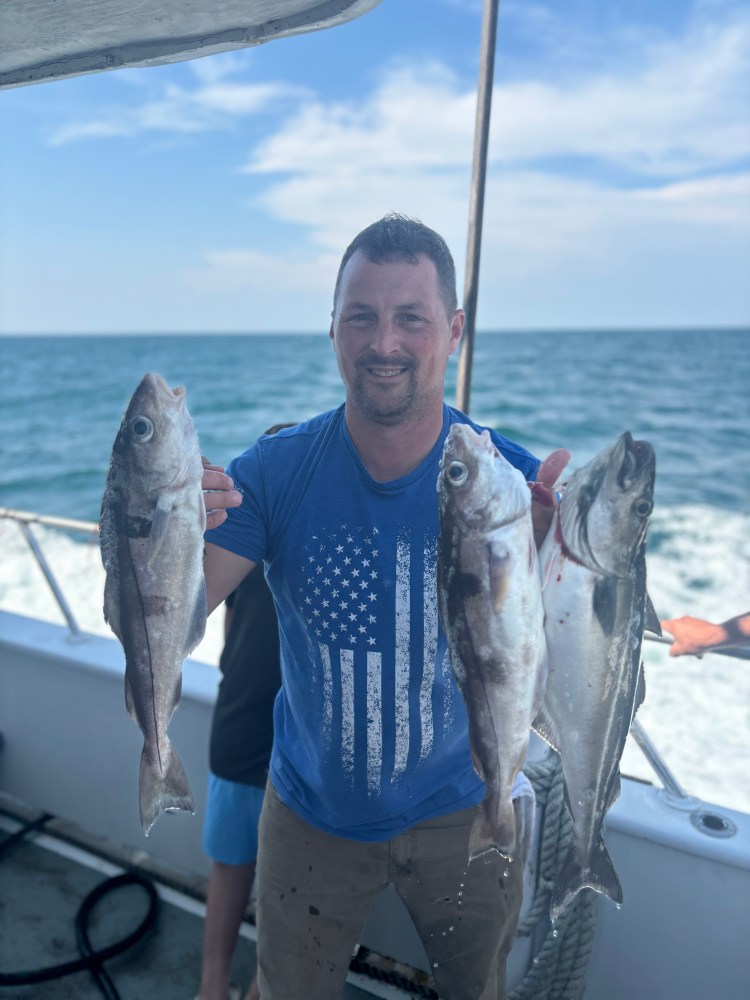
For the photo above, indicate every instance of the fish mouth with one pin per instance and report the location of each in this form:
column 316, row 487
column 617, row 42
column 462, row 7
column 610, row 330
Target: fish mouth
column 463, row 438
column 159, row 386
column 638, row 460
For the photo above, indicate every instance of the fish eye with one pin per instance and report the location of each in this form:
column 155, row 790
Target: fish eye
column 457, row 473
column 643, row 508
column 142, row 429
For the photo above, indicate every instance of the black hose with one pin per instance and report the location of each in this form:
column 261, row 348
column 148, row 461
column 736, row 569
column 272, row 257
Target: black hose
column 91, row 959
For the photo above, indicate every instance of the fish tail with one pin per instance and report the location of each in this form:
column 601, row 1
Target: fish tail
column 163, row 787
column 599, row 874
column 494, row 828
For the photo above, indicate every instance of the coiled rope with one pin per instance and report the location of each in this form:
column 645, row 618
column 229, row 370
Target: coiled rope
column 558, row 970
column 92, row 959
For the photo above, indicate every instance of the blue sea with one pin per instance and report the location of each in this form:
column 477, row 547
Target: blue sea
column 688, row 392
column 685, row 391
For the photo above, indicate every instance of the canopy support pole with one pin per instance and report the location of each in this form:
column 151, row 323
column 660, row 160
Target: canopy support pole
column 476, row 206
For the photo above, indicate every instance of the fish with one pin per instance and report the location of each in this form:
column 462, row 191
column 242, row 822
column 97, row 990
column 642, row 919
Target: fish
column 151, row 531
column 489, row 593
column 593, row 562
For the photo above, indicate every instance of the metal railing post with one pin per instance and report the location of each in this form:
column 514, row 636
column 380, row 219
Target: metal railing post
column 49, row 576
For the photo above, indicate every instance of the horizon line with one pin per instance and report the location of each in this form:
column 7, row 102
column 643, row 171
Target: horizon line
column 484, row 331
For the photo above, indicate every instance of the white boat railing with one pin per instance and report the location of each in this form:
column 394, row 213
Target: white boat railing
column 24, row 519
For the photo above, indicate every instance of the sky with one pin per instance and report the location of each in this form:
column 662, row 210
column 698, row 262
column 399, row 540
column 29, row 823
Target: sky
column 217, row 195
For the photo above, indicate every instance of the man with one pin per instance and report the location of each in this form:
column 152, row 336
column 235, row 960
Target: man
column 239, row 755
column 371, row 778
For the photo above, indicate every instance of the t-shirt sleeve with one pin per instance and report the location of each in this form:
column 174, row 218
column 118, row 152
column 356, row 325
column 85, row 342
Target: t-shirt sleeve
column 245, row 531
column 518, row 456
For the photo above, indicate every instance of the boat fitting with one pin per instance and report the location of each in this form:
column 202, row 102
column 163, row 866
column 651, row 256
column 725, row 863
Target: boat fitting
column 713, row 824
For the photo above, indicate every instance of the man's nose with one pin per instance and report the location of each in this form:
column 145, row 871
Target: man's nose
column 385, row 337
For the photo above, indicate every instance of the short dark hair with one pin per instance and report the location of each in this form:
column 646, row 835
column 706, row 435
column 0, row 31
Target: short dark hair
column 399, row 238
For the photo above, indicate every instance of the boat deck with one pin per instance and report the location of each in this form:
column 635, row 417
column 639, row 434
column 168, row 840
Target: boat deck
column 44, row 882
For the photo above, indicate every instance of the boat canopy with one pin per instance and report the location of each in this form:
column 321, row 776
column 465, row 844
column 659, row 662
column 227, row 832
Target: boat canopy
column 43, row 40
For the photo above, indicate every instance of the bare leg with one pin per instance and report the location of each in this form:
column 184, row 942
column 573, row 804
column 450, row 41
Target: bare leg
column 228, row 892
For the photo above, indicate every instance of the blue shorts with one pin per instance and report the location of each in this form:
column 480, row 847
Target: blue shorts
column 230, row 828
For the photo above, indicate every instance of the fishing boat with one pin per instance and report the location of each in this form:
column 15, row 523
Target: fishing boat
column 684, row 863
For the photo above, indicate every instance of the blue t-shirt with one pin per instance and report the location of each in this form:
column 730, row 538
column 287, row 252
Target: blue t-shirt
column 370, row 729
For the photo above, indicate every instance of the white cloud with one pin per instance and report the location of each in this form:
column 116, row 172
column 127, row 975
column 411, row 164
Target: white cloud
column 648, row 138
column 684, row 110
column 419, row 117
column 211, row 105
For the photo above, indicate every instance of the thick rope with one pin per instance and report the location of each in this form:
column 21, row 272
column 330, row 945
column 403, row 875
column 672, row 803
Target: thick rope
column 558, row 970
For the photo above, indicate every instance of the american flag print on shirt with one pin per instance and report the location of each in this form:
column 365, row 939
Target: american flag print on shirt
column 352, row 596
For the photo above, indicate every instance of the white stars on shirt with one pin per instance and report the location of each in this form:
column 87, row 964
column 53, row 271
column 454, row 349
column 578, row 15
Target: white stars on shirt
column 339, row 593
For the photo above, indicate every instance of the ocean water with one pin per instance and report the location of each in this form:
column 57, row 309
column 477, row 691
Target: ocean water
column 687, row 392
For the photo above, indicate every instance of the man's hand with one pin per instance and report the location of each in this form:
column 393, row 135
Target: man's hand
column 218, row 494
column 543, row 494
column 693, row 635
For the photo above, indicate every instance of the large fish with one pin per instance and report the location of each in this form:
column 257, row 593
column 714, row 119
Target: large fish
column 491, row 607
column 152, row 524
column 594, row 589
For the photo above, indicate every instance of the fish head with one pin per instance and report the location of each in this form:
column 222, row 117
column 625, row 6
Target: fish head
column 478, row 483
column 606, row 506
column 157, row 441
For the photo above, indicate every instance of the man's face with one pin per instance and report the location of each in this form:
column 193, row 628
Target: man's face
column 392, row 338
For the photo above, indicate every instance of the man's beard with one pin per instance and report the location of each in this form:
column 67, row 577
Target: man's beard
column 388, row 409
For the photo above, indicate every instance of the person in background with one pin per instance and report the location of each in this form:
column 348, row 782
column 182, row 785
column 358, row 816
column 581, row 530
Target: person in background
column 371, row 779
column 239, row 753
column 696, row 635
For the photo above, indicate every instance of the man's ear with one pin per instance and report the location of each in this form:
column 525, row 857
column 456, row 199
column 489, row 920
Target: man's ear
column 457, row 328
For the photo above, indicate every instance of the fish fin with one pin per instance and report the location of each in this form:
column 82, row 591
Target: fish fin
column 544, row 726
column 614, row 791
column 650, row 618
column 112, row 604
column 476, row 762
column 499, row 576
column 482, row 839
column 599, row 875
column 130, row 701
column 166, row 788
column 177, row 694
column 198, row 622
column 605, row 603
column 640, row 690
column 159, row 525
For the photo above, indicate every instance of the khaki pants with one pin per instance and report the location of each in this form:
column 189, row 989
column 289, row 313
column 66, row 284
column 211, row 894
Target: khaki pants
column 314, row 891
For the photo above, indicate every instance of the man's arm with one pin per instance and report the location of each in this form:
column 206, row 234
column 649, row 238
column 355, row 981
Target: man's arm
column 224, row 570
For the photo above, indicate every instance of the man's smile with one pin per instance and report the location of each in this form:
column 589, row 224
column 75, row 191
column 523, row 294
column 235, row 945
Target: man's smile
column 386, row 372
